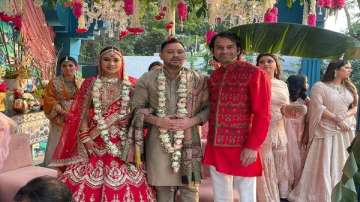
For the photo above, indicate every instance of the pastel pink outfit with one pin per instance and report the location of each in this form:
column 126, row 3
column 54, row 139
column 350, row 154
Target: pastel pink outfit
column 327, row 151
column 274, row 150
column 7, row 126
column 296, row 152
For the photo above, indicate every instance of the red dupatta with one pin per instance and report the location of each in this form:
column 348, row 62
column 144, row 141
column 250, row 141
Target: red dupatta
column 67, row 150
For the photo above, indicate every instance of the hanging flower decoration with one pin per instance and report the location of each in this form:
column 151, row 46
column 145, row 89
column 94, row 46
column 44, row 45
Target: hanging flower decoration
column 129, row 7
column 162, row 11
column 81, row 25
column 78, row 11
column 3, row 86
column 123, row 34
column 169, row 25
column 172, row 144
column 15, row 20
column 112, row 148
column 331, row 4
column 158, row 17
column 135, row 27
column 81, row 30
column 271, row 15
column 182, row 10
column 339, row 4
column 5, row 18
column 236, row 12
column 311, row 21
column 135, row 30
column 77, row 8
column 209, row 35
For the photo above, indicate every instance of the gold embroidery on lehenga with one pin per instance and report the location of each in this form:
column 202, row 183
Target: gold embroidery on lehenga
column 79, row 195
column 128, row 197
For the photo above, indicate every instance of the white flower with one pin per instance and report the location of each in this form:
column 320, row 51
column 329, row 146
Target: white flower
column 183, row 111
column 96, row 94
column 175, row 164
column 104, row 133
column 181, row 90
column 171, row 149
column 182, row 95
column 164, row 136
column 161, row 94
column 126, row 98
column 178, row 141
column 181, row 105
column 161, row 87
column 178, row 146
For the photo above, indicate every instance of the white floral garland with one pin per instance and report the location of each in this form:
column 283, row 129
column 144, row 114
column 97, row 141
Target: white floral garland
column 172, row 148
column 113, row 149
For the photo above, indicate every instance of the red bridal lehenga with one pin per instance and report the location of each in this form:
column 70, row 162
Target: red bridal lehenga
column 100, row 176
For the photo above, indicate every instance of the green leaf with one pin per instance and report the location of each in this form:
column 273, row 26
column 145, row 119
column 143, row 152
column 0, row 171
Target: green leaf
column 296, row 40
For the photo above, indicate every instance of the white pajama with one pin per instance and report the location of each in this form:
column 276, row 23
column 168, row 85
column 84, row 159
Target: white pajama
column 223, row 186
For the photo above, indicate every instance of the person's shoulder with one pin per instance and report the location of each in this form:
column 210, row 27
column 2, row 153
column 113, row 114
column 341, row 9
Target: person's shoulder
column 319, row 84
column 147, row 77
column 195, row 74
column 279, row 82
column 150, row 74
column 318, row 87
column 247, row 66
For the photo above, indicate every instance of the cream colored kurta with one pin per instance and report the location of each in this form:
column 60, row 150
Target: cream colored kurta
column 273, row 151
column 327, row 153
column 159, row 171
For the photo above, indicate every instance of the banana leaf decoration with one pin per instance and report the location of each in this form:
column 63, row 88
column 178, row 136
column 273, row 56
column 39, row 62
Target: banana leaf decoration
column 296, row 40
column 345, row 190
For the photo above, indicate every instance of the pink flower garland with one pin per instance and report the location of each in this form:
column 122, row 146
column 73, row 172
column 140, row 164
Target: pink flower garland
column 311, row 21
column 209, row 35
column 77, row 8
column 129, row 7
column 3, row 87
column 333, row 4
column 182, row 10
column 271, row 15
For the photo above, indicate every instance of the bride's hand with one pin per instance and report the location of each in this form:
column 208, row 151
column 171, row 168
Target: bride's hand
column 91, row 146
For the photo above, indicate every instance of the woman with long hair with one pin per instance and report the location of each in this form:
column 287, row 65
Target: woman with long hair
column 333, row 105
column 58, row 97
column 297, row 85
column 95, row 144
column 272, row 185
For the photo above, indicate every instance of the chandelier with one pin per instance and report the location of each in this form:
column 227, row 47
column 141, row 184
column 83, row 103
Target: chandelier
column 111, row 13
column 237, row 12
column 117, row 16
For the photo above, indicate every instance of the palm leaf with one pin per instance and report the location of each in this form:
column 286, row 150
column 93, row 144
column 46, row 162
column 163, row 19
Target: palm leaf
column 296, row 40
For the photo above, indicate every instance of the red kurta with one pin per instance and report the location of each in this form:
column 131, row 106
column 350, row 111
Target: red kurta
column 240, row 116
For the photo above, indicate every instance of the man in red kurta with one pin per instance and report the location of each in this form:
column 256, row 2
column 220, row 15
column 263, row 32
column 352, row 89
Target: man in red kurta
column 239, row 121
